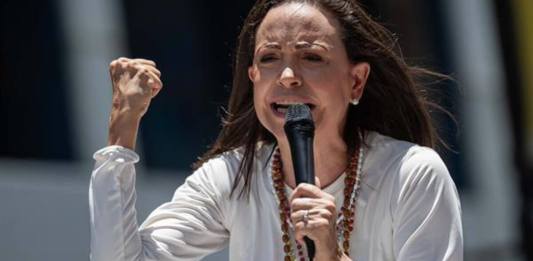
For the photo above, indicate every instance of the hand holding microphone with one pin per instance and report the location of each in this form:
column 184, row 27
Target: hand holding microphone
column 313, row 211
column 300, row 131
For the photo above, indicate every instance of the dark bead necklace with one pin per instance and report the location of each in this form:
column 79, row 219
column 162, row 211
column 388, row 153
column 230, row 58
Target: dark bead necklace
column 345, row 219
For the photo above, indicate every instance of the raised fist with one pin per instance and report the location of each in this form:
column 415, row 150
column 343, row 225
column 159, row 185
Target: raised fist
column 135, row 83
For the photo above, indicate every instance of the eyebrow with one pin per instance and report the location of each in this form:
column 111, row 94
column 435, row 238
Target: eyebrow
column 297, row 46
column 271, row 46
column 302, row 45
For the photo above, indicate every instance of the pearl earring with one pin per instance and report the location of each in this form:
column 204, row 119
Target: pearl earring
column 355, row 101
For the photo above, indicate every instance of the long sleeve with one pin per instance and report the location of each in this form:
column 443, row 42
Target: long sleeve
column 187, row 228
column 426, row 213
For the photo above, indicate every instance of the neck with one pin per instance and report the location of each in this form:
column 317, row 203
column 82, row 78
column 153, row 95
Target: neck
column 330, row 160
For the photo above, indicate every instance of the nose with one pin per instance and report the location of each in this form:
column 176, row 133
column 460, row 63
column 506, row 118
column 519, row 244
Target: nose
column 288, row 78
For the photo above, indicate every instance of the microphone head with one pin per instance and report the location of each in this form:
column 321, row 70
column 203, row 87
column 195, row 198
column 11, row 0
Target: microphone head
column 299, row 113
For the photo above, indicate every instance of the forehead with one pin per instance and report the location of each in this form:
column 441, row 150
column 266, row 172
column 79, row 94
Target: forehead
column 297, row 22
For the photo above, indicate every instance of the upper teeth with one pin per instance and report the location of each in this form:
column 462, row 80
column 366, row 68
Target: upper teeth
column 288, row 103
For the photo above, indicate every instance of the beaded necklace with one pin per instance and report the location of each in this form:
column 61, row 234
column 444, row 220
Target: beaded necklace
column 345, row 219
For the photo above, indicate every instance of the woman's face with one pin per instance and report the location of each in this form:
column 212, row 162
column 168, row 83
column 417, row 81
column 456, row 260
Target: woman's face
column 300, row 58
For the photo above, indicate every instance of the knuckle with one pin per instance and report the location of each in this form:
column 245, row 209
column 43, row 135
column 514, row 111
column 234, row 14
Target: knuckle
column 326, row 214
column 296, row 201
column 294, row 205
column 330, row 206
column 327, row 206
column 299, row 226
column 306, row 186
column 297, row 190
column 293, row 216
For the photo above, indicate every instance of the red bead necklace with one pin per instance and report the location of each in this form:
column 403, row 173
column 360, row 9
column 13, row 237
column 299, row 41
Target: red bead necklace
column 345, row 220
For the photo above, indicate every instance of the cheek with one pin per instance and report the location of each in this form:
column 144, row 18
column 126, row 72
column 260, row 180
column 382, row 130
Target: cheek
column 331, row 87
column 333, row 91
column 263, row 86
column 327, row 75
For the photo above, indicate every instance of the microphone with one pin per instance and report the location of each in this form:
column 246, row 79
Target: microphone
column 300, row 131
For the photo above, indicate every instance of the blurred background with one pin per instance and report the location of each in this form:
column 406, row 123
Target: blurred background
column 55, row 97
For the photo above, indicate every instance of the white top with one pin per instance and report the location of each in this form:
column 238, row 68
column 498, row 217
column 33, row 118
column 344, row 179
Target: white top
column 408, row 209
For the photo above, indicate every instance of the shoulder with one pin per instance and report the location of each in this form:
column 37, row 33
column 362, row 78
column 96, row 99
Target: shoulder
column 418, row 198
column 410, row 177
column 404, row 162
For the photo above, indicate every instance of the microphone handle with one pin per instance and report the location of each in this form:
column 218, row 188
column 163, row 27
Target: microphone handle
column 310, row 247
column 301, row 144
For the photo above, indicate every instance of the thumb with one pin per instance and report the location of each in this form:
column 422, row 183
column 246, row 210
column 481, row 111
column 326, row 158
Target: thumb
column 317, row 182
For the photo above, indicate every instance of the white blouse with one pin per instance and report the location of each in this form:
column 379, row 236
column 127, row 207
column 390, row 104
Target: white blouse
column 408, row 209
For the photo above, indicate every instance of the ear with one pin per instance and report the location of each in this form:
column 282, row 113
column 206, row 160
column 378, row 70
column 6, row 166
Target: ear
column 252, row 73
column 359, row 73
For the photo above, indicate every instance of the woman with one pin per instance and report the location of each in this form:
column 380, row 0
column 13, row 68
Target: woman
column 381, row 193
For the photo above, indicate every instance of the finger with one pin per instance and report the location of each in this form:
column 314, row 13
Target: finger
column 114, row 64
column 116, row 68
column 124, row 62
column 140, row 65
column 144, row 78
column 313, row 214
column 300, row 232
column 305, row 203
column 150, row 80
column 297, row 216
column 317, row 182
column 325, row 207
column 155, row 91
column 156, row 82
column 156, row 87
column 145, row 61
column 137, row 60
column 306, row 190
column 133, row 68
column 299, row 228
column 153, row 69
column 123, row 59
column 313, row 229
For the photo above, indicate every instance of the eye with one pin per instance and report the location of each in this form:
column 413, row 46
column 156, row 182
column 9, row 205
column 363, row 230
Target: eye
column 268, row 58
column 312, row 57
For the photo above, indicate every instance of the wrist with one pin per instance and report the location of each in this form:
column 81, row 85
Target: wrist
column 331, row 253
column 123, row 128
column 326, row 254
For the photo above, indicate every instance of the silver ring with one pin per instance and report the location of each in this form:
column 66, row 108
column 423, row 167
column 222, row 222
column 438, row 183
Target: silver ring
column 306, row 217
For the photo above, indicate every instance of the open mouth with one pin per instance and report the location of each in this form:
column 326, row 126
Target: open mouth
column 282, row 108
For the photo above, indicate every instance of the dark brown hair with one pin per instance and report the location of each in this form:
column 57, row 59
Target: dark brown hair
column 394, row 102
